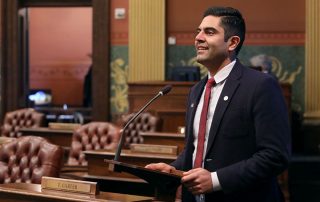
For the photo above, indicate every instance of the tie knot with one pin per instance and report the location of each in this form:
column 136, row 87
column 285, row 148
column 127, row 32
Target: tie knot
column 211, row 82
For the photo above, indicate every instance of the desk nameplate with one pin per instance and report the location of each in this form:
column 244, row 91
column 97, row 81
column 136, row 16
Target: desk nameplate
column 64, row 126
column 152, row 148
column 68, row 185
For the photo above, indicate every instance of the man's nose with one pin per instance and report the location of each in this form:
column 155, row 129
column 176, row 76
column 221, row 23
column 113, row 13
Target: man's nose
column 199, row 37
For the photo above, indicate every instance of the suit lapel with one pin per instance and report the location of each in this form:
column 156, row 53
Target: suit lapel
column 195, row 98
column 226, row 95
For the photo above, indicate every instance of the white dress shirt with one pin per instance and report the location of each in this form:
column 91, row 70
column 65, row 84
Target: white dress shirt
column 216, row 90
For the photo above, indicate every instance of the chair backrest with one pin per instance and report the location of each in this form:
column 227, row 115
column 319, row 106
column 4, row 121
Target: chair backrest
column 27, row 159
column 22, row 118
column 143, row 123
column 92, row 136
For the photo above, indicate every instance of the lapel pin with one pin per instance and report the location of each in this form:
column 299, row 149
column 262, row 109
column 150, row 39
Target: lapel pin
column 225, row 98
column 192, row 105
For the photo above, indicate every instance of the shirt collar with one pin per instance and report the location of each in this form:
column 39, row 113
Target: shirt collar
column 223, row 73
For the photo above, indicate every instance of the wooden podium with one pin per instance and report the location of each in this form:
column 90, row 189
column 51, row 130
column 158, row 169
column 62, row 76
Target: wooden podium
column 166, row 183
column 97, row 165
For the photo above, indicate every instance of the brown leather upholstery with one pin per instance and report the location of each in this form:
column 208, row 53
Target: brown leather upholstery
column 144, row 122
column 22, row 118
column 28, row 158
column 92, row 136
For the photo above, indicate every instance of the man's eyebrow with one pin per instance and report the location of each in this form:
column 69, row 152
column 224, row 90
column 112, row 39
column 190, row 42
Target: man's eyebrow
column 210, row 29
column 207, row 29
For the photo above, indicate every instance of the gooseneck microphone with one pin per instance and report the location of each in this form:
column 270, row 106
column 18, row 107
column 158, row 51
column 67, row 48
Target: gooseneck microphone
column 165, row 90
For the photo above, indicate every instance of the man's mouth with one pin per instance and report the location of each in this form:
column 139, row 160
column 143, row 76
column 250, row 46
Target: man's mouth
column 199, row 48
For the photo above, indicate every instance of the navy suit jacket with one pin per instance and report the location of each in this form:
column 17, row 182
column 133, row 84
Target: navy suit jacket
column 249, row 138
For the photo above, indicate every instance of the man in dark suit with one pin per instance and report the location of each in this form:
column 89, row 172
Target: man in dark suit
column 239, row 126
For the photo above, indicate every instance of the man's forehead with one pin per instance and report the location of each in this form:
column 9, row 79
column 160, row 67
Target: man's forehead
column 210, row 22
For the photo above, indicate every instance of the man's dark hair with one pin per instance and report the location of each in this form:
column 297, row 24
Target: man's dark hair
column 231, row 21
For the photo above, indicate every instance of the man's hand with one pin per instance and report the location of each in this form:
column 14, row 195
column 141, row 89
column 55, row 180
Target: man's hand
column 197, row 181
column 161, row 167
column 168, row 169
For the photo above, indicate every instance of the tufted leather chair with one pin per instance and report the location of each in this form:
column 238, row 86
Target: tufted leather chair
column 92, row 136
column 143, row 123
column 15, row 120
column 28, row 158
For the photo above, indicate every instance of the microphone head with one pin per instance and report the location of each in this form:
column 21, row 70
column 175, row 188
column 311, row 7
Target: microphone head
column 165, row 90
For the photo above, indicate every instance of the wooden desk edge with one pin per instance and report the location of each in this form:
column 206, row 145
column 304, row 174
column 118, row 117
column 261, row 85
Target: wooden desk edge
column 34, row 190
column 162, row 134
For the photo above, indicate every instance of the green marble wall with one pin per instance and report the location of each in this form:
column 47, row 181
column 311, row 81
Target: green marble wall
column 119, row 78
column 287, row 66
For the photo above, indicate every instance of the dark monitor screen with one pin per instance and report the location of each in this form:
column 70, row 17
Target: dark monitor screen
column 39, row 97
column 185, row 73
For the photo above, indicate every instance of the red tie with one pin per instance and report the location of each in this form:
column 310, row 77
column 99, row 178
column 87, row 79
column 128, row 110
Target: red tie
column 203, row 123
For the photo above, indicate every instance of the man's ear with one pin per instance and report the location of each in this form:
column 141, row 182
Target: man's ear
column 233, row 42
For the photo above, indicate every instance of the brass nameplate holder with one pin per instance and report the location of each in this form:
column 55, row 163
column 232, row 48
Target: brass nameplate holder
column 151, row 148
column 4, row 140
column 64, row 126
column 66, row 185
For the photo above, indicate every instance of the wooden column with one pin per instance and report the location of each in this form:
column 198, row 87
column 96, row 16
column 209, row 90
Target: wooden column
column 312, row 64
column 101, row 60
column 146, row 40
column 311, row 123
column 10, row 71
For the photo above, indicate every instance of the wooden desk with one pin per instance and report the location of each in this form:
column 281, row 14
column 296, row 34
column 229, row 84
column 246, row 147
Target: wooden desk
column 59, row 137
column 163, row 138
column 172, row 119
column 97, row 166
column 134, row 186
column 171, row 108
column 114, row 181
column 17, row 192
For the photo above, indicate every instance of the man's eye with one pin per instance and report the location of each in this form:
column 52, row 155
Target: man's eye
column 210, row 33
